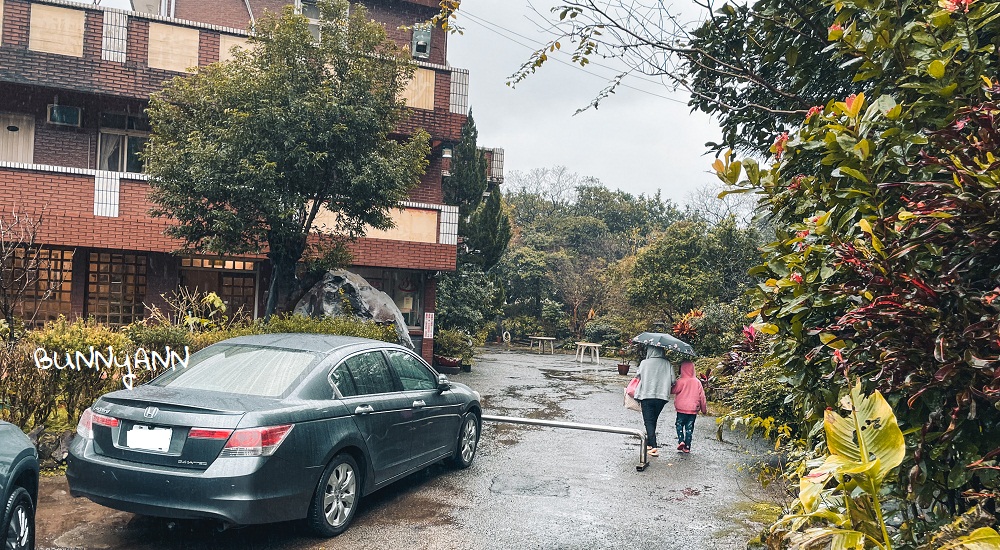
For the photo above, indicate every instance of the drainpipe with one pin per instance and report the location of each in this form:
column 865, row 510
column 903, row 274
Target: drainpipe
column 253, row 22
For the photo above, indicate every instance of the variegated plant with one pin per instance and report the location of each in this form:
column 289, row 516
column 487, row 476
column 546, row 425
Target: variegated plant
column 864, row 446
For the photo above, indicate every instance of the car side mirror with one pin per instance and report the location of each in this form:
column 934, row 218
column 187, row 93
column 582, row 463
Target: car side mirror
column 443, row 383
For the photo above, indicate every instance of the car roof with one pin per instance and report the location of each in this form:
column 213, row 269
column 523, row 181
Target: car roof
column 319, row 343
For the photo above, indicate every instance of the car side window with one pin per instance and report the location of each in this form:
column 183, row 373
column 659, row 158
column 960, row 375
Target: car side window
column 412, row 372
column 371, row 373
column 343, row 381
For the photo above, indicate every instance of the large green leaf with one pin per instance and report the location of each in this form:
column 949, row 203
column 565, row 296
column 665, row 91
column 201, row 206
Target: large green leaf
column 867, row 434
column 827, row 538
column 983, row 538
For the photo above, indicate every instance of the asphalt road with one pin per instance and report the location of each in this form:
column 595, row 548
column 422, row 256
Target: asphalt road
column 529, row 487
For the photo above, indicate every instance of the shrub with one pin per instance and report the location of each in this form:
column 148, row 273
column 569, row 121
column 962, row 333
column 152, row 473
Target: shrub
column 601, row 332
column 157, row 337
column 76, row 390
column 454, row 343
column 522, row 326
column 717, row 328
column 759, row 391
column 27, row 395
column 344, row 326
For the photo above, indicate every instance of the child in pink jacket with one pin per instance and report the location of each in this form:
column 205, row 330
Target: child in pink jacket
column 689, row 401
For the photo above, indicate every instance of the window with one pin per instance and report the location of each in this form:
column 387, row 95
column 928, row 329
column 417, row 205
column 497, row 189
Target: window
column 243, row 369
column 371, row 374
column 116, row 287
column 406, row 288
column 412, row 372
column 47, row 276
column 122, row 138
column 310, row 9
column 341, row 379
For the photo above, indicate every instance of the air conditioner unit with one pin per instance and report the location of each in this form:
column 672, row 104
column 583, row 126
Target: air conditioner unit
column 64, row 115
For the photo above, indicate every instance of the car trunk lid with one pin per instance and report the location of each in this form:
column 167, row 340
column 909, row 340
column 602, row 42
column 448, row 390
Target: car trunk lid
column 159, row 426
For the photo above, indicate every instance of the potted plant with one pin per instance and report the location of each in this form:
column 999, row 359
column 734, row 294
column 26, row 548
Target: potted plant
column 624, row 364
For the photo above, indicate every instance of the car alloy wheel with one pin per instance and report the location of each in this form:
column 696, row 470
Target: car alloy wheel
column 19, row 522
column 468, row 440
column 336, row 498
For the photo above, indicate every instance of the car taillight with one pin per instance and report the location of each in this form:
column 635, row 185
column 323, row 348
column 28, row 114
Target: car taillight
column 209, row 433
column 85, row 428
column 256, row 441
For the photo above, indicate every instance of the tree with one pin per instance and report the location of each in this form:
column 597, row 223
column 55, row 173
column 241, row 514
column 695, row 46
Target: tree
column 678, row 271
column 488, row 232
column 246, row 154
column 22, row 261
column 465, row 186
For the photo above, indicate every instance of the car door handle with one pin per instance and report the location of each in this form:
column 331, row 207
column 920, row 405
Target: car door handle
column 364, row 409
column 419, row 403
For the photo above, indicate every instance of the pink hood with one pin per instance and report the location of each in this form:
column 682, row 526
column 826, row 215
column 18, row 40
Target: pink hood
column 689, row 391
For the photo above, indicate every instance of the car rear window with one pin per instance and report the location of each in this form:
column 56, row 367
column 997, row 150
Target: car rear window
column 242, row 369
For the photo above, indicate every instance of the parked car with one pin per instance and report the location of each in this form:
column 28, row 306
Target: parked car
column 18, row 488
column 269, row 428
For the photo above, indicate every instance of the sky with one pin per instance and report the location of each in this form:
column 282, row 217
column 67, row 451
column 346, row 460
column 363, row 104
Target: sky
column 635, row 141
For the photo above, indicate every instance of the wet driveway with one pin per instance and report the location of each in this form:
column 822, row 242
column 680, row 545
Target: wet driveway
column 529, row 487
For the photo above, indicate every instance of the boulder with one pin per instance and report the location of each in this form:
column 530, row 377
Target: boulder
column 340, row 288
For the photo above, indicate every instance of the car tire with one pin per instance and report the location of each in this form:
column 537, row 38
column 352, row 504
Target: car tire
column 468, row 442
column 337, row 497
column 18, row 527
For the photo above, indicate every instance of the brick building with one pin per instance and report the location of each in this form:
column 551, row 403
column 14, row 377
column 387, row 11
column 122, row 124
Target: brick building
column 74, row 83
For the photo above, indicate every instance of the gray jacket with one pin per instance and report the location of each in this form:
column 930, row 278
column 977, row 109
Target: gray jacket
column 656, row 376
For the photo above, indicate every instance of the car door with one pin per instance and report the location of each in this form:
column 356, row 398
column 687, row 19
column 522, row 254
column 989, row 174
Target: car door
column 381, row 411
column 437, row 413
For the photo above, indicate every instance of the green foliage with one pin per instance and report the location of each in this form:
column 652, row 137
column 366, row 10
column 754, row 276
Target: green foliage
column 870, row 273
column 757, row 391
column 75, row 390
column 344, row 326
column 602, row 332
column 245, row 154
column 454, row 343
column 717, row 329
column 673, row 275
column 466, row 299
column 157, row 337
column 465, row 186
column 523, row 326
column 488, row 232
column 863, row 448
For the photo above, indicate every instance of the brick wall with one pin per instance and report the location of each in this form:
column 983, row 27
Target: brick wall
column 67, row 202
column 225, row 13
column 398, row 14
column 403, row 255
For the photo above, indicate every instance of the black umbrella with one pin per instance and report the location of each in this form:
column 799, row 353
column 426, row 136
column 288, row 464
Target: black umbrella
column 665, row 341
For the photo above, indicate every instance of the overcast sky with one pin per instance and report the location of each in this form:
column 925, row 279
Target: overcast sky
column 635, row 141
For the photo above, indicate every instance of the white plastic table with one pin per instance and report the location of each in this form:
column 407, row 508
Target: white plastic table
column 542, row 340
column 583, row 347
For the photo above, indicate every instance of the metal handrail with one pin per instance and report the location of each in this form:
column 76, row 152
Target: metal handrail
column 643, row 462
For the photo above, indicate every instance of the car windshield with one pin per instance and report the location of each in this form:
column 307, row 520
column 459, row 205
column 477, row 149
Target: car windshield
column 242, row 369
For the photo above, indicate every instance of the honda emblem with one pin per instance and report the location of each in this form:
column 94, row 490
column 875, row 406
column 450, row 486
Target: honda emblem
column 150, row 412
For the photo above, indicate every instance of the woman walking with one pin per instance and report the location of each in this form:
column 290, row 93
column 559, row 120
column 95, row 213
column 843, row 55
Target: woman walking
column 656, row 375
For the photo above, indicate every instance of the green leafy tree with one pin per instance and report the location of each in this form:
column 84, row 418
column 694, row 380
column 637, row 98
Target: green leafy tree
column 488, row 232
column 677, row 272
column 465, row 186
column 246, row 154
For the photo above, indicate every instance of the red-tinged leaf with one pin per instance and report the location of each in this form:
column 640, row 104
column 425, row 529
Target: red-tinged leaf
column 944, row 372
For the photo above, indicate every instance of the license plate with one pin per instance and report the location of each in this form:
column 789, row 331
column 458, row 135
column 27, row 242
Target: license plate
column 148, row 438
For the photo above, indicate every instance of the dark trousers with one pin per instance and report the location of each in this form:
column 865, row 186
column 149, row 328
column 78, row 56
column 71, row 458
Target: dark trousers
column 685, row 428
column 651, row 409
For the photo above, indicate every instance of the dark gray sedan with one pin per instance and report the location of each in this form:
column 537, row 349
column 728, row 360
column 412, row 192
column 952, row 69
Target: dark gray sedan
column 272, row 428
column 18, row 488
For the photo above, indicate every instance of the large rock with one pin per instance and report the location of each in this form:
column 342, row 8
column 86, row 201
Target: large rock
column 366, row 302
